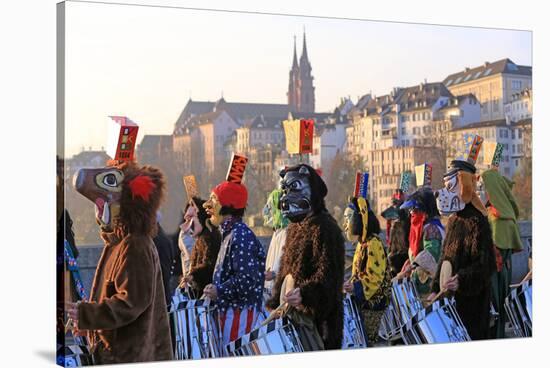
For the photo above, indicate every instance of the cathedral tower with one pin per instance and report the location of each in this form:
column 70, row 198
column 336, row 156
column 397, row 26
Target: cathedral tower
column 301, row 93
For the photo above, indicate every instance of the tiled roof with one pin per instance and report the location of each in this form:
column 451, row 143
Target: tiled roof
column 486, row 70
column 483, row 124
column 421, row 96
column 237, row 110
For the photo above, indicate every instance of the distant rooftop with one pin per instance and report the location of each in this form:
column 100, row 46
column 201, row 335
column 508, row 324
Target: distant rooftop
column 505, row 66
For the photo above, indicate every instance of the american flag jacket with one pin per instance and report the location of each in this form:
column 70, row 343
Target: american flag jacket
column 240, row 267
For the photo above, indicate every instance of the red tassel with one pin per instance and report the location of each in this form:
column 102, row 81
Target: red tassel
column 141, row 186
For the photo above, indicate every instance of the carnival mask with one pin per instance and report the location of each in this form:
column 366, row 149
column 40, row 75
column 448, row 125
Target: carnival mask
column 449, row 198
column 213, row 208
column 272, row 214
column 296, row 198
column 103, row 187
column 356, row 219
column 192, row 225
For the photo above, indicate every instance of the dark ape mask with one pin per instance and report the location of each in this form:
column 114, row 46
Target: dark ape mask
column 297, row 194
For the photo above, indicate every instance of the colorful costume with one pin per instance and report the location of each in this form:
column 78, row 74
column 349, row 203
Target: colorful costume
column 126, row 316
column 370, row 274
column 425, row 238
column 503, row 214
column 240, row 266
column 468, row 245
column 273, row 218
column 314, row 256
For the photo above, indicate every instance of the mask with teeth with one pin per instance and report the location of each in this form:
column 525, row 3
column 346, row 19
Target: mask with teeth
column 103, row 187
column 296, row 198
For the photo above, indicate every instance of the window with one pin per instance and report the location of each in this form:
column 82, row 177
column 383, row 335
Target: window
column 513, row 134
column 517, row 162
column 403, row 131
column 495, row 105
column 520, row 133
column 516, row 84
column 513, row 148
column 507, row 170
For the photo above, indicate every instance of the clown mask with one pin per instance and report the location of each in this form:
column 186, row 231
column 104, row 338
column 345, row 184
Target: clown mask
column 103, row 187
column 296, row 198
column 191, row 225
column 213, row 208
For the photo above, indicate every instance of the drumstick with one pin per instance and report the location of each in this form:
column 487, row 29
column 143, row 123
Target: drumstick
column 274, row 314
column 437, row 296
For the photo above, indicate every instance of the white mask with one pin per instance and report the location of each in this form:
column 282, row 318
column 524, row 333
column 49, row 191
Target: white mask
column 448, row 198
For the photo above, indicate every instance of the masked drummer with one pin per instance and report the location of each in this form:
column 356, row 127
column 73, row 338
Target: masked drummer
column 370, row 280
column 425, row 240
column 468, row 256
column 238, row 280
column 503, row 212
column 313, row 256
column 207, row 240
column 273, row 218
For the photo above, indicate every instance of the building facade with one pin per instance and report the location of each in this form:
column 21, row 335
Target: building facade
column 493, row 84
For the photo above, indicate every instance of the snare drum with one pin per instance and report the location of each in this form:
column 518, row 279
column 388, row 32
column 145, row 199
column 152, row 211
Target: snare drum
column 519, row 308
column 195, row 326
column 404, row 304
column 354, row 331
column 75, row 352
column 438, row 323
column 276, row 337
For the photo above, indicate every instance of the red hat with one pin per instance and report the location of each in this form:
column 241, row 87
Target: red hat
column 231, row 194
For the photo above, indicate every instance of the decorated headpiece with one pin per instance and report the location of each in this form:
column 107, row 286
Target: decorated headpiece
column 191, row 188
column 122, row 136
column 424, row 175
column 357, row 211
column 299, row 135
column 231, row 192
column 405, row 181
column 466, row 161
column 493, row 153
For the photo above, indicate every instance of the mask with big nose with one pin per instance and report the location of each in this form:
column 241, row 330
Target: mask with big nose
column 448, row 199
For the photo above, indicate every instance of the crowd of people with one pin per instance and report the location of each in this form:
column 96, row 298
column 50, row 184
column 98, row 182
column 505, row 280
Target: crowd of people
column 217, row 256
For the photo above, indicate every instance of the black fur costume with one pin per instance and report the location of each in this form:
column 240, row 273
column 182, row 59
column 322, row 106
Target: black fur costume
column 468, row 246
column 314, row 256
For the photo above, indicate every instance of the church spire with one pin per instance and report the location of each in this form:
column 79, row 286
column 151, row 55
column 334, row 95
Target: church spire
column 295, row 59
column 304, row 57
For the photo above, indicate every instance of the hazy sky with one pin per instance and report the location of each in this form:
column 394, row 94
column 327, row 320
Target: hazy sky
column 146, row 62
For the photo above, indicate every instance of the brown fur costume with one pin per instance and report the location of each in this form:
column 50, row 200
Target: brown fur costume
column 126, row 316
column 468, row 246
column 203, row 259
column 314, row 256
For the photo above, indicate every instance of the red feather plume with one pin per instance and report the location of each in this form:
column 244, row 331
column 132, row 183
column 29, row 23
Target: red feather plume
column 141, row 186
